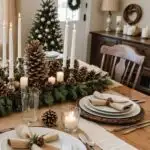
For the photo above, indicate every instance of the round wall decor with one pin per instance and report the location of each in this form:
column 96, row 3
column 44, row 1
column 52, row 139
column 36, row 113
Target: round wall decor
column 74, row 4
column 132, row 14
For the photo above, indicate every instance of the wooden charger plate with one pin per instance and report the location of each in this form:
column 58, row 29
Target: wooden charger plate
column 114, row 121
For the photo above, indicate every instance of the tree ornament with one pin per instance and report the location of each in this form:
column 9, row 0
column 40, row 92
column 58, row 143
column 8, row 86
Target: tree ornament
column 49, row 118
column 36, row 31
column 42, row 19
column 40, row 13
column 37, row 70
column 46, row 8
column 52, row 42
column 39, row 36
column 47, row 30
column 74, row 4
column 45, row 44
column 48, row 22
column 52, row 20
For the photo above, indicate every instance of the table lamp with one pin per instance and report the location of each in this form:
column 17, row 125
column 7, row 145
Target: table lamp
column 109, row 6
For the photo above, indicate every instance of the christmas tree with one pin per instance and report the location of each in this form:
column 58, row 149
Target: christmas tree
column 46, row 27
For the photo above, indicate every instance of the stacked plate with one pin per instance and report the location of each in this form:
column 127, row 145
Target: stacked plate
column 108, row 112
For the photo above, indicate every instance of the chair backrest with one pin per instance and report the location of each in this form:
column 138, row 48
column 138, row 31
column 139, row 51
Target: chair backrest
column 124, row 63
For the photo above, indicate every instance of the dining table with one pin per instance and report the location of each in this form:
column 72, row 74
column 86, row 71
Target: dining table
column 140, row 139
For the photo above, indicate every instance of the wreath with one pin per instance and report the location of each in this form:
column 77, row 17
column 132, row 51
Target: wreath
column 74, row 6
column 131, row 9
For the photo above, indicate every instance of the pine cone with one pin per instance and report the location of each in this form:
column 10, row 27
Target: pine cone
column 35, row 139
column 91, row 75
column 71, row 81
column 3, row 89
column 49, row 118
column 66, row 73
column 76, row 64
column 36, row 64
column 82, row 74
column 40, row 141
column 54, row 66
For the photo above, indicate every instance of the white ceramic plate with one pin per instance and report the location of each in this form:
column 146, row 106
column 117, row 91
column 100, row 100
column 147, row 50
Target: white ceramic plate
column 66, row 142
column 134, row 110
column 92, row 108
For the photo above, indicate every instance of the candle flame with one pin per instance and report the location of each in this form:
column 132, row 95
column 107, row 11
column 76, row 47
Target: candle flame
column 19, row 15
column 10, row 25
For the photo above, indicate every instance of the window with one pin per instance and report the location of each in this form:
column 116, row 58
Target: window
column 64, row 12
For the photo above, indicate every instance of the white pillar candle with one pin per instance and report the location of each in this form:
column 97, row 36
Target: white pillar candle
column 19, row 35
column 65, row 45
column 118, row 19
column 70, row 122
column 4, row 59
column 145, row 33
column 125, row 29
column 52, row 80
column 23, row 82
column 60, row 76
column 73, row 47
column 11, row 51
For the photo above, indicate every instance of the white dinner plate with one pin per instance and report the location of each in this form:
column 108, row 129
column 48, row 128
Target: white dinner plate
column 65, row 142
column 134, row 110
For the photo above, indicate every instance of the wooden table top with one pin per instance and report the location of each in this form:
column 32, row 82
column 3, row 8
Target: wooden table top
column 140, row 139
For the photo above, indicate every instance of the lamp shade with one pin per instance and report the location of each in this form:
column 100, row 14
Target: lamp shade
column 110, row 5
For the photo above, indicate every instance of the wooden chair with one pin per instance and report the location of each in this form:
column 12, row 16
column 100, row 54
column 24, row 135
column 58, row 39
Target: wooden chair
column 123, row 63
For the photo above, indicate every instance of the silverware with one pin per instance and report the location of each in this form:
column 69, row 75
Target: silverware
column 6, row 130
column 88, row 142
column 139, row 101
column 131, row 126
column 136, row 128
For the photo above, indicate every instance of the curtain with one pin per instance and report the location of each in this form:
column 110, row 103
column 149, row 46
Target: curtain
column 9, row 14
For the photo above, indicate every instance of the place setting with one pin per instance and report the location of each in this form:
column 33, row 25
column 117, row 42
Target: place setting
column 111, row 109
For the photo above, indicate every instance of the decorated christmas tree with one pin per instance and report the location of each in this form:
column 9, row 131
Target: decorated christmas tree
column 46, row 27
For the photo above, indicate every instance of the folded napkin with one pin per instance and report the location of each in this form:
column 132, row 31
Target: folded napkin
column 26, row 135
column 117, row 102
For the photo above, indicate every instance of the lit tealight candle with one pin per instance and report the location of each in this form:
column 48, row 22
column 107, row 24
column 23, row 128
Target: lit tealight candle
column 71, row 122
column 60, row 76
column 52, row 80
column 118, row 19
column 23, row 82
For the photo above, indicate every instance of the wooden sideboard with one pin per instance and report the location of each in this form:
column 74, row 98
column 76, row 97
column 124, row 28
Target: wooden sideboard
column 100, row 38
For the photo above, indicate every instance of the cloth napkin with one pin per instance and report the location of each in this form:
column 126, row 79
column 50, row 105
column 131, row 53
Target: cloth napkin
column 117, row 102
column 25, row 134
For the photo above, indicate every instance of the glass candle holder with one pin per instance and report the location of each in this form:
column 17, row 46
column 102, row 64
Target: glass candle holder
column 30, row 104
column 70, row 120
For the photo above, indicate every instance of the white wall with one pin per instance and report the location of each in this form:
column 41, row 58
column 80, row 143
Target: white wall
column 145, row 4
column 28, row 9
